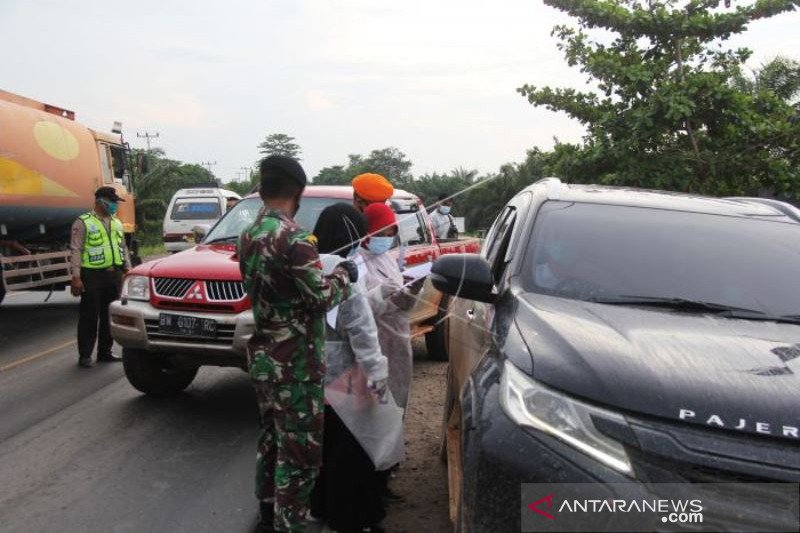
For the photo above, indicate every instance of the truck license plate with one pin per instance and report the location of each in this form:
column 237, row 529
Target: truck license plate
column 188, row 326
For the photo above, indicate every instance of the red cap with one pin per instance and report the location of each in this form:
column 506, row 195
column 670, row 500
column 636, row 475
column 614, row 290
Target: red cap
column 379, row 217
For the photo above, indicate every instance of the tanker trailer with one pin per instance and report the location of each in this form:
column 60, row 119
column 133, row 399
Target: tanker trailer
column 50, row 166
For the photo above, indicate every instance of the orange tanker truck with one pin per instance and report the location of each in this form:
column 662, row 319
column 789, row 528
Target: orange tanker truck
column 50, row 166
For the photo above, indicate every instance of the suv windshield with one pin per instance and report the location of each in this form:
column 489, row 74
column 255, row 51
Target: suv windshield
column 605, row 252
column 244, row 213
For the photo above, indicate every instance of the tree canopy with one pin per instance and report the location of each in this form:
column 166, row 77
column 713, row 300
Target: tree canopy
column 669, row 109
column 389, row 162
column 280, row 144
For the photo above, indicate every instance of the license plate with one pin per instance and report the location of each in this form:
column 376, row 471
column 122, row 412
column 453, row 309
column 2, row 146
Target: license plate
column 189, row 326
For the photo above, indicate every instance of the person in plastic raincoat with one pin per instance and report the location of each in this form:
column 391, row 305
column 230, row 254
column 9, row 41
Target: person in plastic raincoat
column 388, row 298
column 363, row 425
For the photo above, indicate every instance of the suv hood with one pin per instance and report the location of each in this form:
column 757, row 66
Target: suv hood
column 698, row 368
column 206, row 262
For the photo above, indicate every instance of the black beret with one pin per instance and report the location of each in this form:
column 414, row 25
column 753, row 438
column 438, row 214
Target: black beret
column 285, row 165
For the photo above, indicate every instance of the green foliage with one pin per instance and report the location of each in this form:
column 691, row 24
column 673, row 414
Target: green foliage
column 335, row 175
column 148, row 251
column 280, row 144
column 781, row 75
column 389, row 162
column 671, row 109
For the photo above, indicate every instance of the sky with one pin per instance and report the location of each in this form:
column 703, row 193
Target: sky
column 436, row 79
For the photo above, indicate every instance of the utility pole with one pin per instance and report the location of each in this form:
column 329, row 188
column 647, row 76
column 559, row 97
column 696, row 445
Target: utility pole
column 208, row 165
column 147, row 136
column 247, row 171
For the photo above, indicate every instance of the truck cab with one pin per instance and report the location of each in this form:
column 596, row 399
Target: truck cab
column 190, row 309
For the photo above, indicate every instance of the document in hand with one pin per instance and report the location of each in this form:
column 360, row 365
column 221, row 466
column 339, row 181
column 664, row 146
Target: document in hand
column 412, row 274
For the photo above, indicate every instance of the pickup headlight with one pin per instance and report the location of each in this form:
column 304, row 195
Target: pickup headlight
column 530, row 404
column 136, row 288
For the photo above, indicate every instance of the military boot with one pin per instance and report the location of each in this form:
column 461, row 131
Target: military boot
column 266, row 521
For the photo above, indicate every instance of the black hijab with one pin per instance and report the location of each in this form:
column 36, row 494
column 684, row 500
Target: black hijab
column 339, row 227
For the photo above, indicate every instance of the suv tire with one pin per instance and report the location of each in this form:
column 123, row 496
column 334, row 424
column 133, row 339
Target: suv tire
column 153, row 374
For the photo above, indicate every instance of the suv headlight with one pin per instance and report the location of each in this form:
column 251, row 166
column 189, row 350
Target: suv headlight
column 530, row 404
column 136, row 288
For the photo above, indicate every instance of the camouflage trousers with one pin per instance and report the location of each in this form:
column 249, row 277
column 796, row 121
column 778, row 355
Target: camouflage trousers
column 291, row 414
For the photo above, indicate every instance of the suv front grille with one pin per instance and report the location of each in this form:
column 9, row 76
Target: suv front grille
column 172, row 287
column 224, row 291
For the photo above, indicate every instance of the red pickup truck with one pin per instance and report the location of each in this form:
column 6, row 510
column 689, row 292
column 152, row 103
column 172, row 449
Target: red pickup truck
column 190, row 309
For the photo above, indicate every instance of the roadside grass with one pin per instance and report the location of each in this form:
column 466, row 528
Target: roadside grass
column 149, row 250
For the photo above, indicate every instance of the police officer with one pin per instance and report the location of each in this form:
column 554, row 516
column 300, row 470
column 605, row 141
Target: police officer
column 99, row 259
column 283, row 277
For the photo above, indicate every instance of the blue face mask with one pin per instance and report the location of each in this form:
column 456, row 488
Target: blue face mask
column 111, row 207
column 444, row 209
column 380, row 245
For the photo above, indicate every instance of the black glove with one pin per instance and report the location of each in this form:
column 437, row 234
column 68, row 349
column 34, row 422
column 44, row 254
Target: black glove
column 351, row 269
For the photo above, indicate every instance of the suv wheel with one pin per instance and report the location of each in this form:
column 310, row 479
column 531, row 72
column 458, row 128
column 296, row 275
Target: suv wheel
column 436, row 340
column 153, row 374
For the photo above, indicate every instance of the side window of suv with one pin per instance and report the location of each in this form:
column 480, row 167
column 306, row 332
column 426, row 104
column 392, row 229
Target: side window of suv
column 497, row 255
column 490, row 243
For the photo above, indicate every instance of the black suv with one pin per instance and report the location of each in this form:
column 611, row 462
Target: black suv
column 610, row 335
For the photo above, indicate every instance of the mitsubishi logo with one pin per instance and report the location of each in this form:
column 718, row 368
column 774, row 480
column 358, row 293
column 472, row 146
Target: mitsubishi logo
column 195, row 293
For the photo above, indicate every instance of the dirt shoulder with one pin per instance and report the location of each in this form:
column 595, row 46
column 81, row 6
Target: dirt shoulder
column 422, row 478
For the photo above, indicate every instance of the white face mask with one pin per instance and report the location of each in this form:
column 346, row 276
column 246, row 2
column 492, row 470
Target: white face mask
column 444, row 209
column 380, row 245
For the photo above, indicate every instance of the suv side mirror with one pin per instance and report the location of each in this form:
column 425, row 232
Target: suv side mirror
column 464, row 275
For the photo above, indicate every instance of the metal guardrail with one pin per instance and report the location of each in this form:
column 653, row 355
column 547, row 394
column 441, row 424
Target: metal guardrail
column 36, row 270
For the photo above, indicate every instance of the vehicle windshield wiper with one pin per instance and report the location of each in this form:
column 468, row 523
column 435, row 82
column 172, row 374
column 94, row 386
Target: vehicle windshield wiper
column 222, row 239
column 686, row 304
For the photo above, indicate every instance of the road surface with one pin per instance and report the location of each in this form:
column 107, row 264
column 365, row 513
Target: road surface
column 81, row 450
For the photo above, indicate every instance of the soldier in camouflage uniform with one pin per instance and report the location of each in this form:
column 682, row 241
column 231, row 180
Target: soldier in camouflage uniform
column 283, row 277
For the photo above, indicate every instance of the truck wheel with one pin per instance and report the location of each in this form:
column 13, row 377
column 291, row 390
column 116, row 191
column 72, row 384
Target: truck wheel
column 153, row 374
column 436, row 340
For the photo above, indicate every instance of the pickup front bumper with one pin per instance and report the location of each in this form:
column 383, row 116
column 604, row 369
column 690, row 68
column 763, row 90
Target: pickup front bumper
column 135, row 324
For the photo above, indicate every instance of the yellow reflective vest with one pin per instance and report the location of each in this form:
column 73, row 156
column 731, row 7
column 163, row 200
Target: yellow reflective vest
column 101, row 250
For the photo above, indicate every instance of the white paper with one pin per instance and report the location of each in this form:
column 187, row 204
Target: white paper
column 417, row 272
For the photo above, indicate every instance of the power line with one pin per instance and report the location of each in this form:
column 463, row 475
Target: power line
column 147, row 136
column 208, row 165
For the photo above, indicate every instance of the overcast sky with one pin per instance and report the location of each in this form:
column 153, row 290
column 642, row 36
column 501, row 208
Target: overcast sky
column 435, row 78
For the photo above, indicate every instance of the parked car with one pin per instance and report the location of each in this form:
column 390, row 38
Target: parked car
column 190, row 309
column 611, row 335
column 191, row 210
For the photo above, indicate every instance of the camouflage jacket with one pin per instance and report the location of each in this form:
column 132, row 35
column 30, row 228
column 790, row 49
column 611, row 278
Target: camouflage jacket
column 282, row 274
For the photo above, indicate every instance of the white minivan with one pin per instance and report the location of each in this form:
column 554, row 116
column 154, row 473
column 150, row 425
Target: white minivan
column 194, row 207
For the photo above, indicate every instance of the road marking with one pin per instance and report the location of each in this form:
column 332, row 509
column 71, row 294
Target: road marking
column 35, row 356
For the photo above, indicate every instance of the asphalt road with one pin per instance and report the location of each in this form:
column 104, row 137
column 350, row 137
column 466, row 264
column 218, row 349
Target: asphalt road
column 81, row 450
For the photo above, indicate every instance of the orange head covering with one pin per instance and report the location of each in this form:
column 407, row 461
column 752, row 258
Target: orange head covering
column 373, row 187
